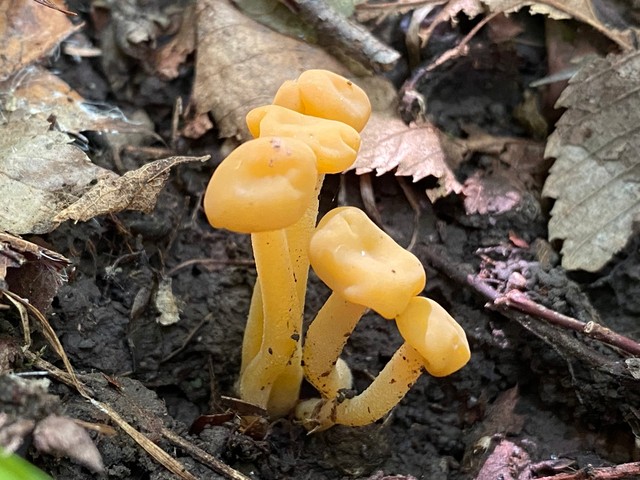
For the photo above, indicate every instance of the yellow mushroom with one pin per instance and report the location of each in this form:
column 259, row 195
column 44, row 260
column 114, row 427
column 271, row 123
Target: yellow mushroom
column 365, row 268
column 335, row 143
column 324, row 94
column 432, row 340
column 263, row 187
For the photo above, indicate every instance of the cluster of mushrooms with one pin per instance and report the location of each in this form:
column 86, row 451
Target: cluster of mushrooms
column 269, row 187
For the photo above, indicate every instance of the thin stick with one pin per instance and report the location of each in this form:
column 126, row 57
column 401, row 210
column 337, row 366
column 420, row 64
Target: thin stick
column 209, row 261
column 202, row 456
column 188, row 339
column 625, row 470
column 336, row 31
column 417, row 211
column 463, row 274
column 519, row 300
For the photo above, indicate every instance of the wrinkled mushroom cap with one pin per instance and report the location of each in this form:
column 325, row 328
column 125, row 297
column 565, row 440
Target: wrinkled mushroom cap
column 359, row 261
column 321, row 93
column 428, row 328
column 264, row 184
column 334, row 143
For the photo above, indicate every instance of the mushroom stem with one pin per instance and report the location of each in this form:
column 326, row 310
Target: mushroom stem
column 281, row 312
column 384, row 393
column 325, row 340
column 286, row 389
column 253, row 330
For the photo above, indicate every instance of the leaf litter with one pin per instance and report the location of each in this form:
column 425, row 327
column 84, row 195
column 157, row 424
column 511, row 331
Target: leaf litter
column 595, row 178
column 417, row 150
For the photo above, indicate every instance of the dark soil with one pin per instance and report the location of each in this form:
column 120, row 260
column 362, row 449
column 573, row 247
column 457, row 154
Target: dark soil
column 556, row 397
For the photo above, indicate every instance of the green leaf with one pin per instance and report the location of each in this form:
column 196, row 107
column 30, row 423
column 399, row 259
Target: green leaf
column 13, row 467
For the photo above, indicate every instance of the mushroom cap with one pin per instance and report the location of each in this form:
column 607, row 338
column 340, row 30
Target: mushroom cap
column 325, row 94
column 264, row 184
column 363, row 264
column 335, row 143
column 437, row 337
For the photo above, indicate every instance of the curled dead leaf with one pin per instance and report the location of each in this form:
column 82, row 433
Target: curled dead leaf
column 135, row 190
column 31, row 271
column 40, row 174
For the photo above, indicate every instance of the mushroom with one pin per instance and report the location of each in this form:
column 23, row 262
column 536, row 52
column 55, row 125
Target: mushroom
column 324, row 94
column 365, row 268
column 432, row 340
column 263, row 187
column 335, row 143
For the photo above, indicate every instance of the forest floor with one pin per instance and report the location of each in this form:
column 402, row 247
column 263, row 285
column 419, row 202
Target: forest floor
column 538, row 399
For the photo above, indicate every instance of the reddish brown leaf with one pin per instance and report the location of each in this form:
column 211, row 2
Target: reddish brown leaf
column 416, row 151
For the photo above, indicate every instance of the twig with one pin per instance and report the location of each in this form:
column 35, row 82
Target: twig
column 552, row 334
column 202, row 456
column 520, row 301
column 150, row 447
column 417, row 211
column 209, row 261
column 53, row 6
column 459, row 50
column 369, row 199
column 188, row 339
column 517, row 300
column 624, row 470
column 336, row 31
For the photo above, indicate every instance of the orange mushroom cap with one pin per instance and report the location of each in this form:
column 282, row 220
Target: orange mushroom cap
column 264, row 184
column 334, row 143
column 436, row 336
column 325, row 94
column 356, row 259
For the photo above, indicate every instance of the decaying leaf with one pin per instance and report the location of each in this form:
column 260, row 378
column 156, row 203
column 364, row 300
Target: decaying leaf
column 170, row 56
column 507, row 461
column 581, row 10
column 491, row 192
column 61, row 436
column 14, row 433
column 135, row 190
column 595, row 178
column 28, row 31
column 31, row 271
column 41, row 173
column 241, row 64
column 416, row 151
column 41, row 94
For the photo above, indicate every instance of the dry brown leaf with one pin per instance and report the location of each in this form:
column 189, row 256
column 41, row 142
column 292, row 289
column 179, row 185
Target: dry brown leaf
column 595, row 177
column 416, row 151
column 581, row 10
column 241, row 64
column 40, row 174
column 28, row 31
column 41, row 94
column 31, row 271
column 169, row 57
column 135, row 190
column 61, row 436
